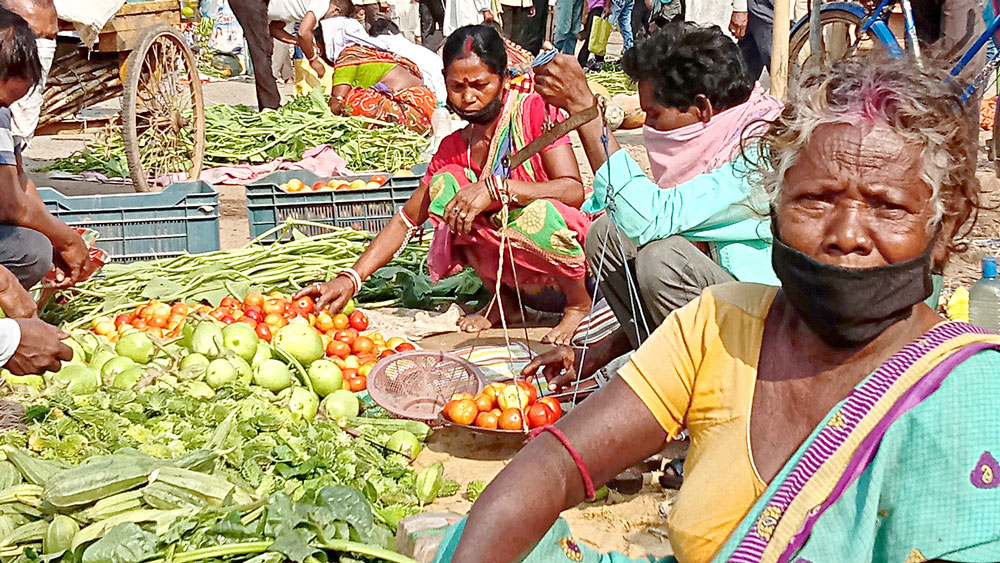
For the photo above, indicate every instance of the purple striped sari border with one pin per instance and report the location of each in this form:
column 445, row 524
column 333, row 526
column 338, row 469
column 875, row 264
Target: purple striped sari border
column 853, row 410
column 869, row 446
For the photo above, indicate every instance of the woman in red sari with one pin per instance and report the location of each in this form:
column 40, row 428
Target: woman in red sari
column 541, row 235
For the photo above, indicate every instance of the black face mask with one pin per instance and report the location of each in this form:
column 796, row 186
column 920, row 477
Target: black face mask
column 484, row 116
column 849, row 307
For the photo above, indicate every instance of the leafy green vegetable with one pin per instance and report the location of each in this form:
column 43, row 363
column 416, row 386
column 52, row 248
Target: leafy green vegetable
column 240, row 134
column 418, row 292
column 474, row 489
column 125, row 543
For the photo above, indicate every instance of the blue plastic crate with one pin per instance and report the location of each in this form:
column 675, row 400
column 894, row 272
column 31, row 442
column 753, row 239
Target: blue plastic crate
column 365, row 210
column 183, row 218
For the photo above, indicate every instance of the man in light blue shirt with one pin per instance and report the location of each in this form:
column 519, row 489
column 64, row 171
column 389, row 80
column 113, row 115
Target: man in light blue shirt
column 699, row 224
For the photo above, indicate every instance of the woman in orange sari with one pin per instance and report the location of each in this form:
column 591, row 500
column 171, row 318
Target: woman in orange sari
column 374, row 83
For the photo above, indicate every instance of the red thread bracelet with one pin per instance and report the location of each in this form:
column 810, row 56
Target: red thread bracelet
column 588, row 483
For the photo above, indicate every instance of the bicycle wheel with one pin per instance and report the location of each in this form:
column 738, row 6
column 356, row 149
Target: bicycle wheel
column 840, row 37
column 163, row 111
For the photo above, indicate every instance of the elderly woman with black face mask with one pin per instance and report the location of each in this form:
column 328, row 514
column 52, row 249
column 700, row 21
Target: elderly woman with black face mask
column 837, row 418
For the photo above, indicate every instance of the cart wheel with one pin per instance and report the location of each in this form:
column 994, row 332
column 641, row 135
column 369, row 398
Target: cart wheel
column 163, row 111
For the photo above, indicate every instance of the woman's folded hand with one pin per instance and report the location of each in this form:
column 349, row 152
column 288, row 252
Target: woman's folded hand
column 467, row 204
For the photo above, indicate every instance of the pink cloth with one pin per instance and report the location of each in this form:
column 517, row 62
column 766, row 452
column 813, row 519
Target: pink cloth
column 593, row 4
column 322, row 161
column 679, row 155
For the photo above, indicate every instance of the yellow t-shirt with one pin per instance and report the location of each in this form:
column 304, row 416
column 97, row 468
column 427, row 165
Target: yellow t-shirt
column 697, row 373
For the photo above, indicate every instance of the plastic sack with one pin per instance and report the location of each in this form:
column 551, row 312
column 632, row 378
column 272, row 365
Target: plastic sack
column 306, row 78
column 600, row 31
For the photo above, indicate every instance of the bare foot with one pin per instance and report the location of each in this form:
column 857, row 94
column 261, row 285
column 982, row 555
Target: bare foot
column 563, row 332
column 490, row 317
column 474, row 323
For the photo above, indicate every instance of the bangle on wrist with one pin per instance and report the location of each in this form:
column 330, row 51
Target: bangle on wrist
column 354, row 276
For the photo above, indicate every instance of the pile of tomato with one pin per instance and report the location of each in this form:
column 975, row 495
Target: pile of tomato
column 504, row 406
column 344, row 336
column 335, row 184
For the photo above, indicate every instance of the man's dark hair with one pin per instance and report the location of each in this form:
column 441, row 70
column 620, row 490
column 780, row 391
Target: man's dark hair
column 683, row 60
column 18, row 53
column 346, row 8
column 483, row 40
column 383, row 26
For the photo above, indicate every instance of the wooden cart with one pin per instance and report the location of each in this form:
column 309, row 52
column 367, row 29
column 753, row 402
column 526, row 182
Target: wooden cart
column 142, row 57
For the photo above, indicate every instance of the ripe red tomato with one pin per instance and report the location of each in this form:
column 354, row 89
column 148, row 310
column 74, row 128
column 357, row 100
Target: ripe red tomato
column 530, row 389
column 483, row 402
column 338, row 348
column 385, row 354
column 363, row 345
column 512, row 419
column 275, row 320
column 461, row 411
column 254, row 313
column 358, row 383
column 228, row 319
column 274, row 307
column 340, row 321
column 539, row 414
column 358, row 321
column 379, row 179
column 553, row 405
column 180, row 309
column 344, row 336
column 123, row 320
column 348, row 373
column 248, row 321
column 405, row 347
column 304, row 306
column 263, row 332
column 254, row 299
column 487, row 420
column 229, row 302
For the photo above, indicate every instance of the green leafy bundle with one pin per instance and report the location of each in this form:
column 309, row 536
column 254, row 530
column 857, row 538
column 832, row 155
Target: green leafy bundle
column 241, row 135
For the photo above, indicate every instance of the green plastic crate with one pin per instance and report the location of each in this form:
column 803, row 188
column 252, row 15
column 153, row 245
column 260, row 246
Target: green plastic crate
column 365, row 210
column 183, row 218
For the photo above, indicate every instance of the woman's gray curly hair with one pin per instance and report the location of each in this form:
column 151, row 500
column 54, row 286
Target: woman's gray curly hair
column 919, row 104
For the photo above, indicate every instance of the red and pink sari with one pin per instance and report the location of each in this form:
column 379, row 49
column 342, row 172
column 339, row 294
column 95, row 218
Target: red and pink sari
column 545, row 237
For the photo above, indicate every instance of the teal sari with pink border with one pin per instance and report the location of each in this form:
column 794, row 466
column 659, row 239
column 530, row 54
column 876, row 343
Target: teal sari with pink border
column 903, row 470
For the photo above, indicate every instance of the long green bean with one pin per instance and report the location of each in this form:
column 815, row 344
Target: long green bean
column 285, row 267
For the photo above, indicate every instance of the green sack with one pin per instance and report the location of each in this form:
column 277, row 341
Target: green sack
column 600, row 31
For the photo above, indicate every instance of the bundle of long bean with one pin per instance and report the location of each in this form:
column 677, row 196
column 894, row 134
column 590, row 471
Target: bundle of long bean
column 238, row 134
column 615, row 81
column 211, row 276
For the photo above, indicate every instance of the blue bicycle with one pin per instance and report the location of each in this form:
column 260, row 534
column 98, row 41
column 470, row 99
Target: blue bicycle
column 849, row 27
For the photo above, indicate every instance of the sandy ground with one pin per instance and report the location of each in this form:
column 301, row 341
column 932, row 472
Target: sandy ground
column 632, row 526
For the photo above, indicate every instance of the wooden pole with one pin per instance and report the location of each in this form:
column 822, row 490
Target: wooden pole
column 779, row 48
column 815, row 32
